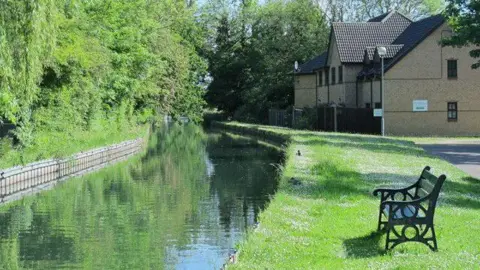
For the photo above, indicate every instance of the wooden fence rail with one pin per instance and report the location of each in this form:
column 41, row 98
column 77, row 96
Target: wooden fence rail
column 17, row 181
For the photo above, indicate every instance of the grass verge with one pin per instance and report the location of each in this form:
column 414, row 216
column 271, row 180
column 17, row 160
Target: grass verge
column 329, row 221
column 49, row 144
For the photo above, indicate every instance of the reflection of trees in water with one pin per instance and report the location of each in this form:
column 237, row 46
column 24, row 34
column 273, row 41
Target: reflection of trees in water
column 244, row 177
column 120, row 217
column 142, row 213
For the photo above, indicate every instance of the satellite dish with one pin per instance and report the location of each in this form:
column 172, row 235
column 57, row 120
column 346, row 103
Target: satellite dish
column 296, row 65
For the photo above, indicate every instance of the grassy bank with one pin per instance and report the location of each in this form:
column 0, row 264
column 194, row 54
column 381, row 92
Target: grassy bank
column 51, row 144
column 329, row 221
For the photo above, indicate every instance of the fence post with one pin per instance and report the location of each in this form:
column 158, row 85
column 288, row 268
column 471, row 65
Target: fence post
column 335, row 118
column 293, row 116
column 325, row 118
column 58, row 175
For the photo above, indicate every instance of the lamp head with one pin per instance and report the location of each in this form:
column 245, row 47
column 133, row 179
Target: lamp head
column 382, row 51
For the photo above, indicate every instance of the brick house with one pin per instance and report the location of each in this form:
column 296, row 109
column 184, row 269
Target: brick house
column 429, row 89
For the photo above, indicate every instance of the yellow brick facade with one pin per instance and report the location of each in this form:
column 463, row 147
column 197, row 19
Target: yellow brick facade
column 305, row 90
column 422, row 74
column 419, row 75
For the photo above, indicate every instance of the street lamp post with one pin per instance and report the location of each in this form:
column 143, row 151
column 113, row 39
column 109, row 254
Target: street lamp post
column 382, row 51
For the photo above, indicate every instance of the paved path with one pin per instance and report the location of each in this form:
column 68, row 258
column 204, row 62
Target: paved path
column 463, row 154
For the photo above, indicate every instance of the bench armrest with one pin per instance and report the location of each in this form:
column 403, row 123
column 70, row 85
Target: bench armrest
column 390, row 192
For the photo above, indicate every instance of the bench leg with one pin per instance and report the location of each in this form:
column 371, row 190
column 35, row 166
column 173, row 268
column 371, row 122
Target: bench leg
column 434, row 240
column 431, row 241
column 399, row 238
column 387, row 242
column 379, row 227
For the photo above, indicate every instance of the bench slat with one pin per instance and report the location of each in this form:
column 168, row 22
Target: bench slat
column 409, row 212
column 426, row 185
column 421, row 192
column 430, row 177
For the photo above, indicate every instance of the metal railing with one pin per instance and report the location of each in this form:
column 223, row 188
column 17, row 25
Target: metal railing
column 16, row 181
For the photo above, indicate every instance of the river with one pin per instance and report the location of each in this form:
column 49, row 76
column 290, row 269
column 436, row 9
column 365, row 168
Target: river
column 183, row 204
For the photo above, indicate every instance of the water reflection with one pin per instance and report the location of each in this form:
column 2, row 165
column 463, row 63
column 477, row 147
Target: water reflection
column 182, row 205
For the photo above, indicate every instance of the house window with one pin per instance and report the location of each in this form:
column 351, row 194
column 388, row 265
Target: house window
column 320, row 78
column 378, row 105
column 452, row 111
column 452, row 69
column 340, row 74
column 333, row 76
column 327, row 76
column 367, row 105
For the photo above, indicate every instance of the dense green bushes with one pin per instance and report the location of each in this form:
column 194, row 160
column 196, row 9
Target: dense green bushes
column 70, row 66
column 254, row 49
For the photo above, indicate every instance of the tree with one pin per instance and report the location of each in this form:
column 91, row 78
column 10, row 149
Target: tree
column 70, row 65
column 362, row 10
column 252, row 51
column 226, row 67
column 464, row 20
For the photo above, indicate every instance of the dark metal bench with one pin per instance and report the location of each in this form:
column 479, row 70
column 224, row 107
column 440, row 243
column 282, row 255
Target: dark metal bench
column 406, row 214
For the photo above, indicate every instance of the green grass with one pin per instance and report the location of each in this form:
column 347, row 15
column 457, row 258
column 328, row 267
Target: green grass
column 48, row 144
column 329, row 221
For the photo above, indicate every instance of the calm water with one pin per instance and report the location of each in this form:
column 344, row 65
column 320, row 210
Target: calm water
column 182, row 205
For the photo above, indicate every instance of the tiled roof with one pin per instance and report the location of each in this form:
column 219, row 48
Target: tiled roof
column 386, row 16
column 409, row 39
column 392, row 50
column 315, row 63
column 353, row 38
column 413, row 35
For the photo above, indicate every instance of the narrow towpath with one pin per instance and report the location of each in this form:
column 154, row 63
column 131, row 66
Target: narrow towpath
column 461, row 153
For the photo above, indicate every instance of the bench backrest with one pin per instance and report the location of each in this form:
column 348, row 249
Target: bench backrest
column 429, row 185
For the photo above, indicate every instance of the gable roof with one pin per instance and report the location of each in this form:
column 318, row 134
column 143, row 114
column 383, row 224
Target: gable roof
column 355, row 41
column 386, row 16
column 353, row 38
column 310, row 66
column 414, row 35
column 410, row 38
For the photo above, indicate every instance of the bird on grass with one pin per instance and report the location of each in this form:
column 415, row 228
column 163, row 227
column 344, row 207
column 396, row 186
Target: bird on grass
column 294, row 181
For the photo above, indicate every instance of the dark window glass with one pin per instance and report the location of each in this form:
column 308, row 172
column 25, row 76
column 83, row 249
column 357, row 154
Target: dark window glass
column 327, row 76
column 333, row 76
column 320, row 78
column 452, row 111
column 340, row 74
column 367, row 105
column 452, row 69
column 378, row 105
